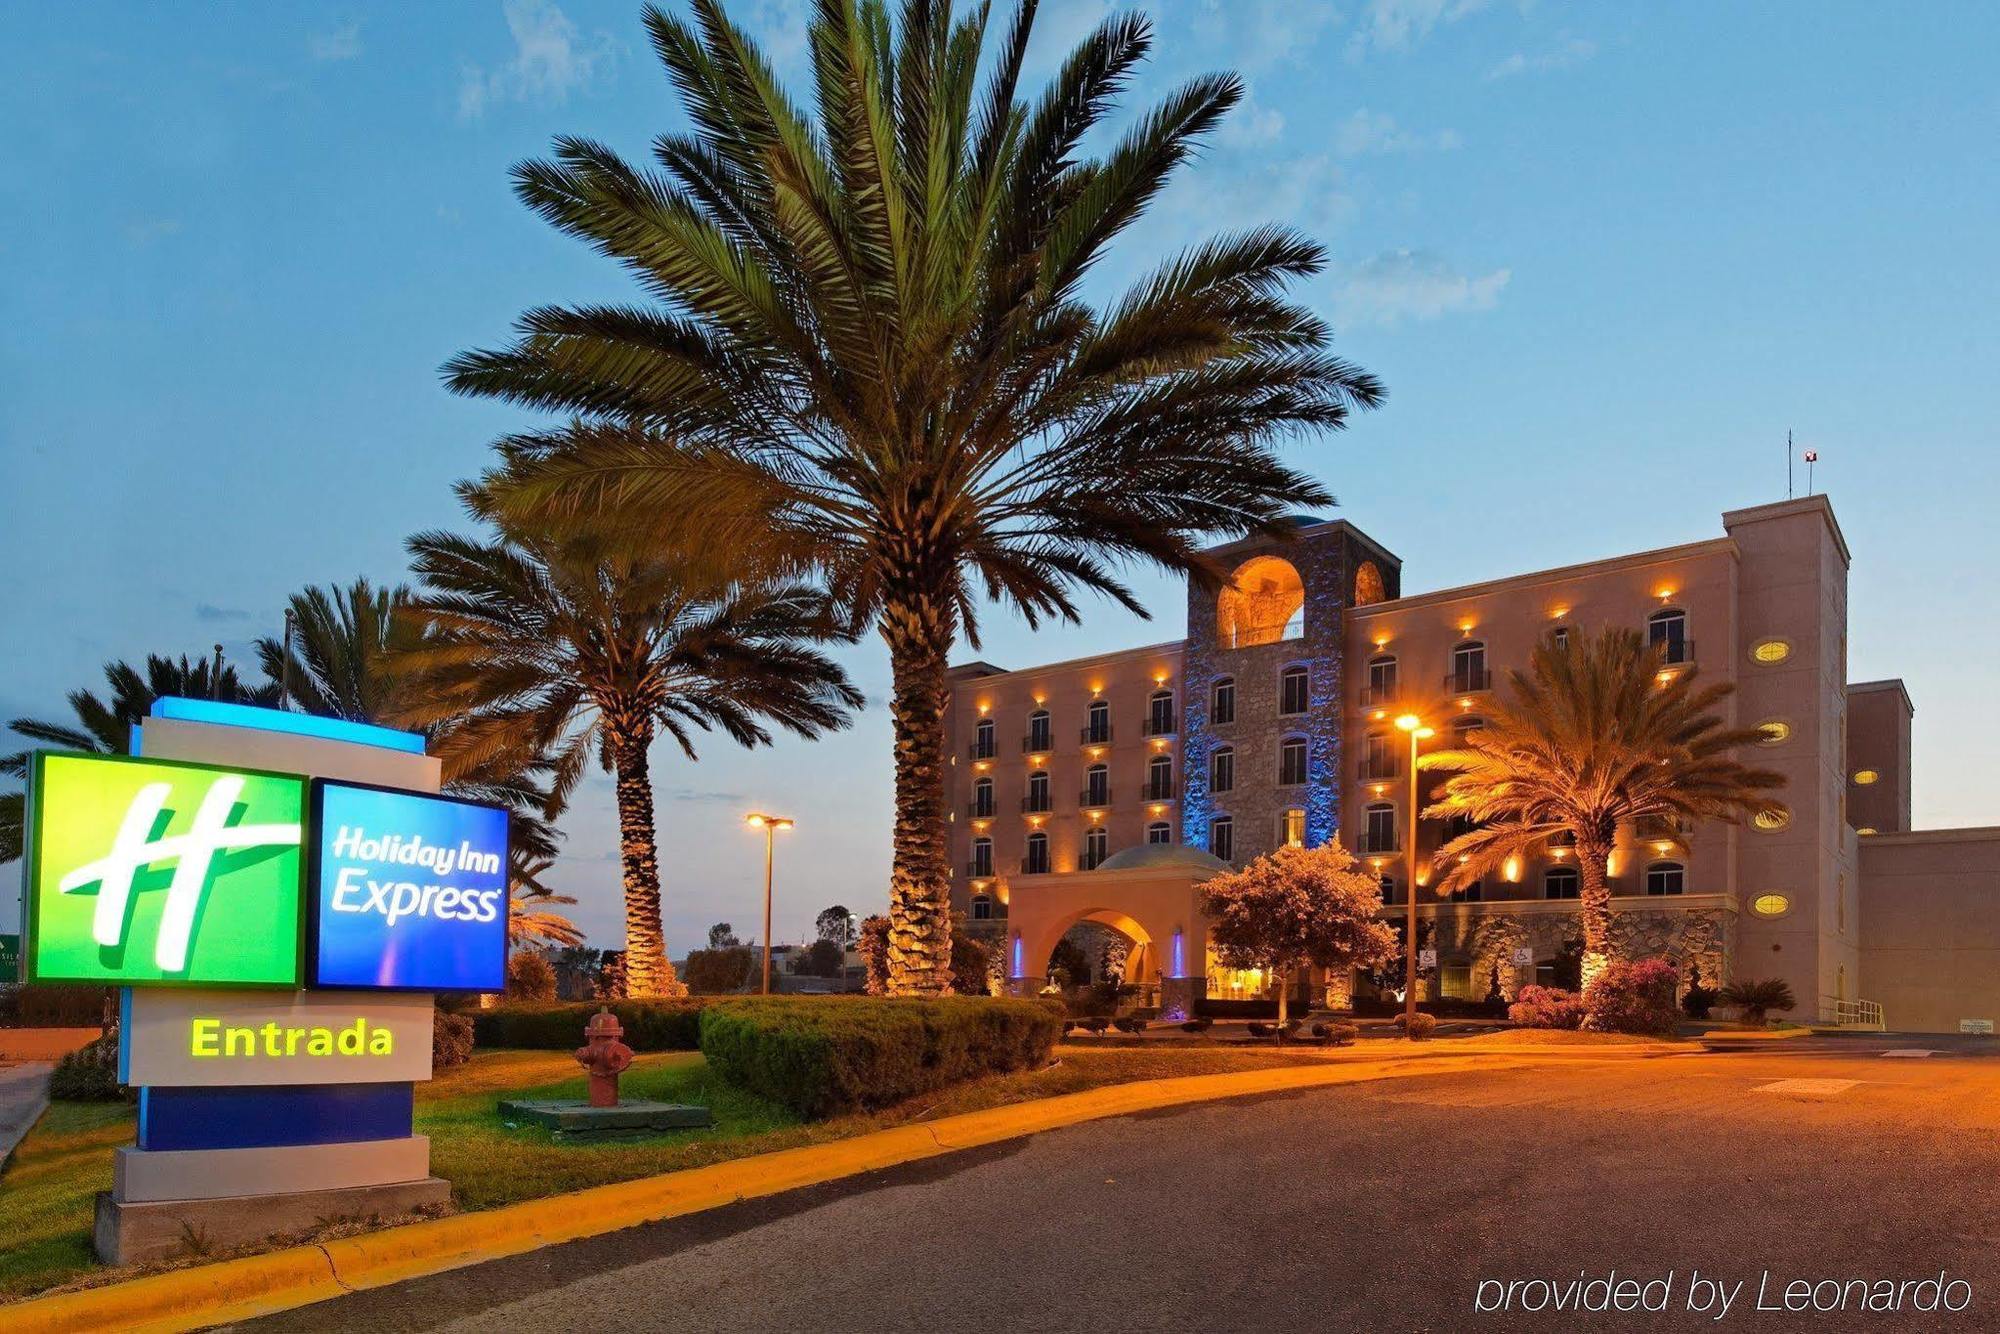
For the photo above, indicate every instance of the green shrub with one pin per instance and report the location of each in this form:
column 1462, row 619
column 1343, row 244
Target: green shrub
column 530, row 977
column 1547, row 1007
column 1130, row 1023
column 1421, row 1026
column 1634, row 996
column 718, row 972
column 650, row 1025
column 1336, row 1034
column 823, row 1054
column 61, row 1006
column 1758, row 999
column 451, row 1040
column 1199, row 1024
column 89, row 1074
column 1699, row 1001
column 969, row 962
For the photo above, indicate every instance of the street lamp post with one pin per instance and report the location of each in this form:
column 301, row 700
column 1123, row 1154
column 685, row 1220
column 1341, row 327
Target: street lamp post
column 1413, row 725
column 770, row 824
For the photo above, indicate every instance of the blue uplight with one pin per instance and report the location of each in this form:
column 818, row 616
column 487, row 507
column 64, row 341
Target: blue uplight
column 294, row 724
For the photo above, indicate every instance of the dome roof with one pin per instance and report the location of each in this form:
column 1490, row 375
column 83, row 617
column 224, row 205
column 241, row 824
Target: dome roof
column 1163, row 857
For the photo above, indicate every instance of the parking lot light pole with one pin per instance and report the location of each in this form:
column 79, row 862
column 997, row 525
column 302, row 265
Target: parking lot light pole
column 1413, row 725
column 770, row 824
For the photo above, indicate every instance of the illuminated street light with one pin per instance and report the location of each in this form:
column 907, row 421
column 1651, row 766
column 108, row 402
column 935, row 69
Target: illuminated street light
column 1414, row 725
column 770, row 824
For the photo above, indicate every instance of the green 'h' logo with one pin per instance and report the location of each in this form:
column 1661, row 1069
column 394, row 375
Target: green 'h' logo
column 146, row 871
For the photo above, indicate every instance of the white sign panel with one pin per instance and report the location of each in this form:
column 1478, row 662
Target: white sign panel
column 1427, row 958
column 1524, row 956
column 179, row 1037
column 1975, row 1025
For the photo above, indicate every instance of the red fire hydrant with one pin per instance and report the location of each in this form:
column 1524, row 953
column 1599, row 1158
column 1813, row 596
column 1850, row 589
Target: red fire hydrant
column 604, row 1056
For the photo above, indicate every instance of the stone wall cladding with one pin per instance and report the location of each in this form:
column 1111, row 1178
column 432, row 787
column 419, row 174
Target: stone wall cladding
column 1699, row 939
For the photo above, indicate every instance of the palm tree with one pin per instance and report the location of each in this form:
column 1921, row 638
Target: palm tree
column 871, row 356
column 528, row 901
column 104, row 726
column 1597, row 738
column 536, row 648
column 340, row 637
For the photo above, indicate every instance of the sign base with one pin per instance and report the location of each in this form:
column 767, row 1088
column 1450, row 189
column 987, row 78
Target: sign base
column 140, row 1231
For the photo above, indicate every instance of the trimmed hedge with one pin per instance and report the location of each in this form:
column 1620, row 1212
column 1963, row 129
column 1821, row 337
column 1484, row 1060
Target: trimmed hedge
column 650, row 1025
column 824, row 1054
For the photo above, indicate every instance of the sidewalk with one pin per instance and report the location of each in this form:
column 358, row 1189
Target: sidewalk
column 24, row 1092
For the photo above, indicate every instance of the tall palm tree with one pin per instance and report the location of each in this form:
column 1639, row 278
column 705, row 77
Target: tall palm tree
column 104, row 726
column 1596, row 738
column 870, row 352
column 561, row 649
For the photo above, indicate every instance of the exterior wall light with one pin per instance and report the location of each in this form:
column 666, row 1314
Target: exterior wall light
column 1770, row 905
column 1771, row 652
column 1776, row 732
column 1864, row 777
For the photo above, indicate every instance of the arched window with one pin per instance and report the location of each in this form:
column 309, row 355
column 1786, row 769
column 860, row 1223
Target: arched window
column 1159, row 832
column 1222, row 769
column 982, row 858
column 1160, row 778
column 1368, row 588
column 1096, row 847
column 1468, row 668
column 1559, row 638
column 1263, row 603
column 1292, row 761
column 1160, row 713
column 1041, row 733
column 1380, row 754
column 1292, row 828
column 1381, row 679
column 1037, row 801
column 1294, row 694
column 1379, row 828
column 982, row 907
column 984, row 744
column 1392, row 891
column 1667, row 630
column 1465, row 724
column 1097, row 785
column 1097, row 732
column 982, row 798
column 1561, row 882
column 1037, row 860
column 1222, row 702
column 1222, row 838
column 1666, row 878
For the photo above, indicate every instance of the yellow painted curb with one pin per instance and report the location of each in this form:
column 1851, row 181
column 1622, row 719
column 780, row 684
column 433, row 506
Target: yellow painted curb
column 257, row 1285
column 1723, row 1039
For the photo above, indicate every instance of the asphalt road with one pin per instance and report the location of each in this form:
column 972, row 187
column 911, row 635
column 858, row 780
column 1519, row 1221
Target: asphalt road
column 1396, row 1205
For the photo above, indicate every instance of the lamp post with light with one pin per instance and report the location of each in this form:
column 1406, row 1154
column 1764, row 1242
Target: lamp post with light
column 1414, row 726
column 770, row 824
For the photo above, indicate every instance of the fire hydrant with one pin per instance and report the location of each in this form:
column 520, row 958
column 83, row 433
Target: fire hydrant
column 604, row 1056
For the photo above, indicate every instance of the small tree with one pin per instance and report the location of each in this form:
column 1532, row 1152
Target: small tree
column 874, row 942
column 837, row 925
column 968, row 965
column 722, row 936
column 1295, row 908
column 822, row 958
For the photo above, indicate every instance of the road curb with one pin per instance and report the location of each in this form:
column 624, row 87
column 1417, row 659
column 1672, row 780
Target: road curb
column 255, row 1285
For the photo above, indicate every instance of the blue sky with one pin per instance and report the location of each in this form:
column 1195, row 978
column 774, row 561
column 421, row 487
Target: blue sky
column 1603, row 256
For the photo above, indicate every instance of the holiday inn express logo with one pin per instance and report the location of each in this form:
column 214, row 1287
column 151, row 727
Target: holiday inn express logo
column 148, row 871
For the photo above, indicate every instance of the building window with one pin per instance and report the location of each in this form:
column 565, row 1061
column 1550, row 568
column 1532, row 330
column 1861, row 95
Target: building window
column 1770, row 652
column 1292, row 691
column 1464, row 725
column 1471, row 893
column 1222, row 769
column 984, row 744
column 1097, row 785
column 1098, row 731
column 1379, row 754
column 1160, row 778
column 1772, row 818
column 1222, row 702
column 1159, row 832
column 1222, row 838
column 1776, row 732
column 1041, row 733
column 982, row 798
column 1292, row 761
column 1866, row 777
column 982, row 908
column 1665, row 878
column 1392, row 892
column 1096, row 847
column 982, row 857
column 1562, row 882
column 1037, row 802
column 1770, row 905
column 1292, row 828
column 1380, row 824
column 1559, row 637
column 1667, row 631
column 1468, row 668
column 1160, row 713
column 1382, row 679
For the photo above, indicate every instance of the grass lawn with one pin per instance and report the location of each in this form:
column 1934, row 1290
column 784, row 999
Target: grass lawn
column 48, row 1191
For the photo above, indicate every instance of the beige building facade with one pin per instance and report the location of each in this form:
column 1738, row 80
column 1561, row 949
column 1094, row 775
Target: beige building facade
column 1104, row 789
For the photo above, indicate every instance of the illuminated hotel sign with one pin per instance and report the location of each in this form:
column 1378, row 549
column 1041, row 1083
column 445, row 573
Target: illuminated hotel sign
column 144, row 871
column 407, row 891
column 189, row 1038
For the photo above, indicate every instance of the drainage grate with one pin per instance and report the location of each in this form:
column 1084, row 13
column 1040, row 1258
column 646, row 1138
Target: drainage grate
column 1824, row 1088
column 1910, row 1052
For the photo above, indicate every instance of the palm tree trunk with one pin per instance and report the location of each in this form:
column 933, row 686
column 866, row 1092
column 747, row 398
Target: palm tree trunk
column 647, row 972
column 1593, row 863
column 919, row 638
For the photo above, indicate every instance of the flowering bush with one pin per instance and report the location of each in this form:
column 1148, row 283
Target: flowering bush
column 1634, row 996
column 1421, row 1026
column 1547, row 1007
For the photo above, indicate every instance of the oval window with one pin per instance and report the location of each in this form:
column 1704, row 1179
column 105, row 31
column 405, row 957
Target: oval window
column 1770, row 905
column 1771, row 817
column 1866, row 776
column 1776, row 732
column 1866, row 830
column 1771, row 651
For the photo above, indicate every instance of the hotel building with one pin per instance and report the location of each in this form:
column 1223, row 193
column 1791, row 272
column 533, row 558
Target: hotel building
column 1105, row 789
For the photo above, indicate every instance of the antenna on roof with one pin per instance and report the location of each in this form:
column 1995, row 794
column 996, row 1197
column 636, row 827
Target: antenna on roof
column 1812, row 457
column 1788, row 464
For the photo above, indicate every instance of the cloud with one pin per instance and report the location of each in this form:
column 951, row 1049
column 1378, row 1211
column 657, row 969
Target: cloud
column 551, row 60
column 699, row 796
column 1254, row 35
column 1400, row 285
column 1398, row 25
column 208, row 611
column 1367, row 132
column 343, row 43
column 1250, row 125
column 1568, row 52
column 142, row 232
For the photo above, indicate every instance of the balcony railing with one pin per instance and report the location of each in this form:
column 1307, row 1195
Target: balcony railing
column 975, row 871
column 1037, row 743
column 1093, row 860
column 979, row 810
column 1096, row 736
column 1377, row 847
column 1094, row 797
column 1034, row 866
column 1037, row 805
column 983, row 750
column 1157, row 725
column 1380, row 770
column 1375, row 699
column 1679, row 652
column 1158, row 792
column 1468, row 682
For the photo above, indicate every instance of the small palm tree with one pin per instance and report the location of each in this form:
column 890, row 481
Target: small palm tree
column 104, row 726
column 560, row 652
column 1758, row 999
column 1597, row 738
column 872, row 350
column 340, row 638
column 528, row 901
